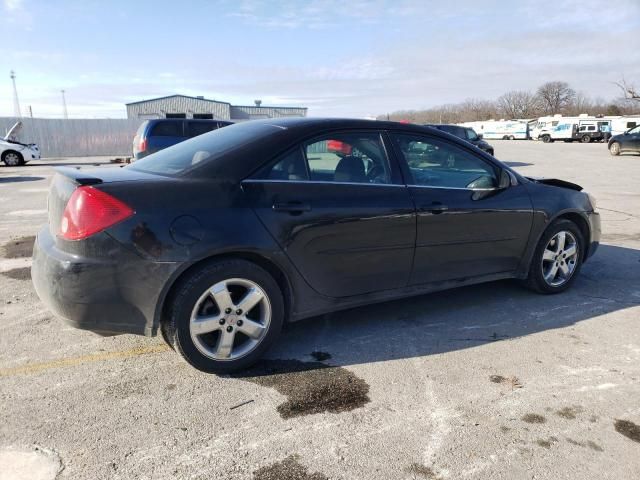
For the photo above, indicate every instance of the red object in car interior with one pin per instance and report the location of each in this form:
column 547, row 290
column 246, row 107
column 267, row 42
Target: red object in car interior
column 336, row 146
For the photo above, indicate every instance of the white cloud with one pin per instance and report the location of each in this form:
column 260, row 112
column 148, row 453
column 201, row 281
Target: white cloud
column 12, row 5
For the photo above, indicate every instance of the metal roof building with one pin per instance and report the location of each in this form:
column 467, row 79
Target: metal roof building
column 183, row 106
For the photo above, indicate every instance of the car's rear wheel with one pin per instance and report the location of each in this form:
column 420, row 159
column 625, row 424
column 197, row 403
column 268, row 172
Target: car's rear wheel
column 12, row 159
column 614, row 148
column 585, row 139
column 224, row 315
column 546, row 139
column 557, row 259
column 511, row 137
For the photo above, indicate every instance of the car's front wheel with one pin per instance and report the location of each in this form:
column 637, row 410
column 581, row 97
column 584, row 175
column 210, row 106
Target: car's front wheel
column 614, row 148
column 224, row 315
column 557, row 259
column 12, row 159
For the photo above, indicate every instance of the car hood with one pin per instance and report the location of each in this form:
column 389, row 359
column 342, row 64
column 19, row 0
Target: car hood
column 556, row 182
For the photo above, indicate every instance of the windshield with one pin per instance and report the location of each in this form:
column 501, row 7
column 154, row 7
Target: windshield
column 186, row 156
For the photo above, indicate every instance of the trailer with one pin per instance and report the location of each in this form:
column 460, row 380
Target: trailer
column 500, row 129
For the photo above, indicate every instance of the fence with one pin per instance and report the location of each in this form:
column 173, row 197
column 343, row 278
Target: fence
column 76, row 137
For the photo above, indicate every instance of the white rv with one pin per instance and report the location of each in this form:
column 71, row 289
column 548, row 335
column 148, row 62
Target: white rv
column 500, row 129
column 582, row 128
column 620, row 125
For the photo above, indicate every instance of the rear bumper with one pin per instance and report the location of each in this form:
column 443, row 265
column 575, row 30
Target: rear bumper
column 594, row 225
column 115, row 294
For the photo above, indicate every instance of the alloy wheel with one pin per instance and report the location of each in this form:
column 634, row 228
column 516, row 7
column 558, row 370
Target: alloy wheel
column 12, row 159
column 615, row 148
column 560, row 258
column 230, row 319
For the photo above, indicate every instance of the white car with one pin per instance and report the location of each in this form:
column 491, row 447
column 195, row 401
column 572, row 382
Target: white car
column 14, row 153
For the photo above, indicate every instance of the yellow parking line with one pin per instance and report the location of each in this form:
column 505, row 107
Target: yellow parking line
column 73, row 361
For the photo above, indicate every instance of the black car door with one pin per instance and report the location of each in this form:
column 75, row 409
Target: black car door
column 466, row 226
column 338, row 209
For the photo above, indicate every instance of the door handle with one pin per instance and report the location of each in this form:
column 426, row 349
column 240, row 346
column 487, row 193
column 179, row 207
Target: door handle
column 435, row 208
column 292, row 207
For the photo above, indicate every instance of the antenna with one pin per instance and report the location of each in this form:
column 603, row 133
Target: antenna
column 16, row 103
column 64, row 105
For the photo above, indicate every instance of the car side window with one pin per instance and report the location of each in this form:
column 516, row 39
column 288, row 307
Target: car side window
column 167, row 129
column 198, row 128
column 348, row 158
column 289, row 166
column 436, row 163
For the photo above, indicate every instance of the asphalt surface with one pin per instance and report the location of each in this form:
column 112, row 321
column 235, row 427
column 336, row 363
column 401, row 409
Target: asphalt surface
column 485, row 382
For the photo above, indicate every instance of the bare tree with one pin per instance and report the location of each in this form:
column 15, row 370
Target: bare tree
column 629, row 90
column 555, row 97
column 518, row 104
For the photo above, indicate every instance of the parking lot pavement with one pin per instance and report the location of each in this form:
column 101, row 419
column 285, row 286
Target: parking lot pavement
column 485, row 382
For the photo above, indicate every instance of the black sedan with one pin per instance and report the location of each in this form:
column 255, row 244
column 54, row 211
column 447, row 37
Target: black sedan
column 218, row 241
column 628, row 142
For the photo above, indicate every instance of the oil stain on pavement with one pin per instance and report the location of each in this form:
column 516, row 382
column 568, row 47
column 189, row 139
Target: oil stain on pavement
column 19, row 247
column 422, row 471
column 18, row 273
column 287, row 469
column 569, row 413
column 533, row 418
column 628, row 429
column 310, row 387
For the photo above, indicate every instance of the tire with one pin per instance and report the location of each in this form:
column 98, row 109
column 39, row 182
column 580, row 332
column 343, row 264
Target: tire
column 585, row 139
column 511, row 137
column 213, row 351
column 542, row 264
column 614, row 149
column 12, row 158
column 546, row 139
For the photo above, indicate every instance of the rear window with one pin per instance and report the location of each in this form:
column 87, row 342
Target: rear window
column 167, row 129
column 185, row 156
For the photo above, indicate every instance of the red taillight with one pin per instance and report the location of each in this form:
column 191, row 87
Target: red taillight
column 142, row 146
column 90, row 211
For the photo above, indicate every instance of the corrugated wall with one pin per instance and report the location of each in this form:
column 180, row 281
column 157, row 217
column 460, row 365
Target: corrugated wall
column 239, row 112
column 178, row 104
column 76, row 137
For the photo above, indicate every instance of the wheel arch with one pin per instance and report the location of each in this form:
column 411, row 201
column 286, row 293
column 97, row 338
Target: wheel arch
column 275, row 270
column 572, row 215
column 582, row 224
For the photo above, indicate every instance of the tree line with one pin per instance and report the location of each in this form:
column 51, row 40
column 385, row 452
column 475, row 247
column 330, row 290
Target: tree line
column 549, row 99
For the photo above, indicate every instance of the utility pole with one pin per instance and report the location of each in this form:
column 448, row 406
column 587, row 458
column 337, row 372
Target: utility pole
column 30, row 112
column 64, row 106
column 16, row 103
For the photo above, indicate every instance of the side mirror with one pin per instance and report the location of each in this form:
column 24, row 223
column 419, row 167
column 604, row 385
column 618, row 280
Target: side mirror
column 479, row 135
column 507, row 179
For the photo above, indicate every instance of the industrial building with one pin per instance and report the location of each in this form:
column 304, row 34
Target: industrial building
column 183, row 106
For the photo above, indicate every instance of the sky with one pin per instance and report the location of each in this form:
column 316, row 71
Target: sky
column 351, row 58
